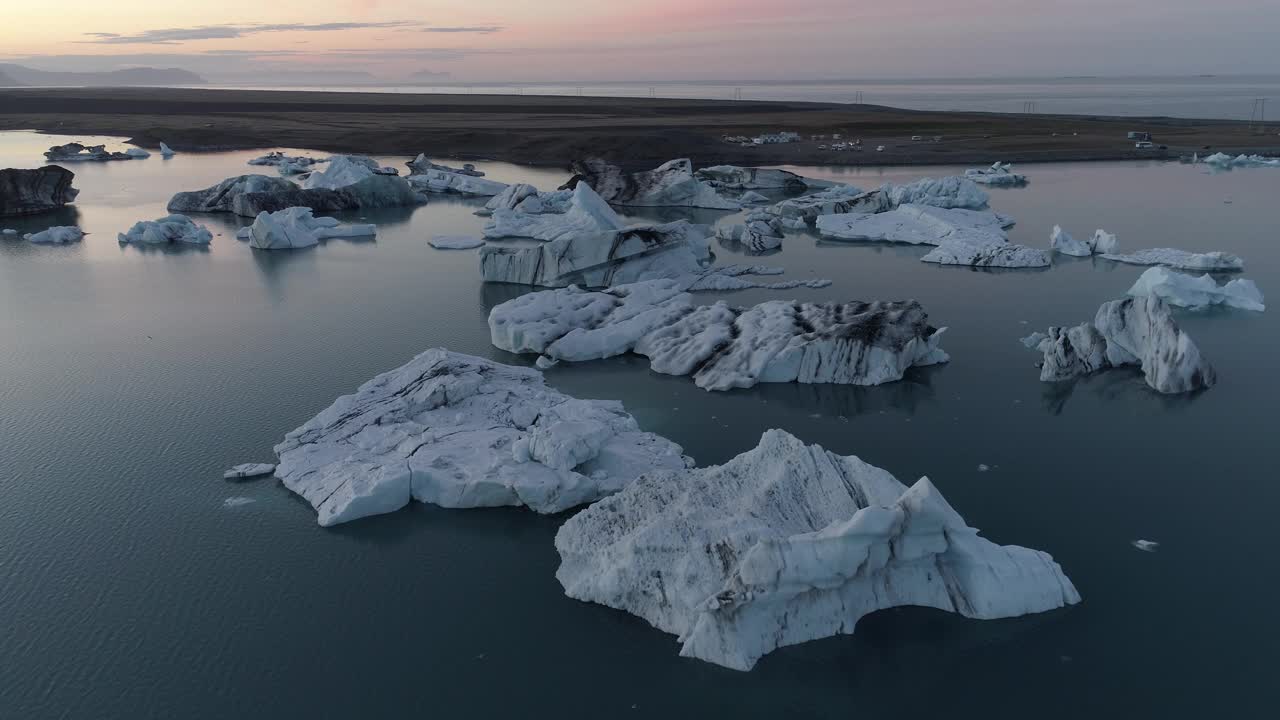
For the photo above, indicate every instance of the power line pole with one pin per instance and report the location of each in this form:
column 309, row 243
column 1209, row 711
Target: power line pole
column 857, row 97
column 1258, row 116
column 737, row 93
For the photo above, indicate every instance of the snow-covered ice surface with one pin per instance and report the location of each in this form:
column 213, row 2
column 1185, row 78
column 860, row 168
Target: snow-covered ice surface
column 296, row 227
column 455, row 242
column 1133, row 331
column 57, row 235
column 1189, row 291
column 601, row 259
column 721, row 347
column 1181, row 259
column 788, row 543
column 671, row 184
column 521, row 214
column 998, row 175
column 249, row 470
column 168, row 229
column 461, row 432
column 733, row 177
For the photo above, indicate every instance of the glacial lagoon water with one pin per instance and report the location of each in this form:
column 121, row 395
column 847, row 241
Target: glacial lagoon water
column 135, row 582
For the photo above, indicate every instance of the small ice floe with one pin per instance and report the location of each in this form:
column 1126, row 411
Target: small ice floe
column 1146, row 545
column 166, row 151
column 9, row 231
column 1033, row 340
column 1181, row 259
column 137, row 153
column 58, row 235
column 76, row 152
column 1223, row 161
column 998, row 175
column 1101, row 242
column 296, row 227
column 1188, row 291
column 455, row 242
column 236, row 501
column 249, row 470
column 166, row 230
column 983, row 467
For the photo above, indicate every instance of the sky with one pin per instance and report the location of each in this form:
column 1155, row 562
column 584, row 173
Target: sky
column 648, row 40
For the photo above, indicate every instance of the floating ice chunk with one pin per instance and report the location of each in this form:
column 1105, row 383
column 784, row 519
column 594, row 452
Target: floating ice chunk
column 797, row 213
column 948, row 192
column 166, row 151
column 760, row 232
column 58, row 235
column 344, row 170
column 441, row 181
column 732, row 177
column 238, row 501
column 168, row 229
column 421, row 164
column 293, row 228
column 998, row 175
column 671, row 184
column 1061, row 241
column 752, row 197
column 916, row 225
column 1187, row 291
column 249, row 470
column 455, row 242
column 975, row 251
column 788, row 543
column 584, row 213
column 1103, row 242
column 1032, row 341
column 851, row 343
column 288, row 164
column 249, row 195
column 1181, row 259
column 76, row 152
column 1222, row 161
column 1134, row 331
column 9, row 231
column 1146, row 545
column 601, row 259
column 34, row 191
column 983, row 467
column 461, row 431
column 137, row 153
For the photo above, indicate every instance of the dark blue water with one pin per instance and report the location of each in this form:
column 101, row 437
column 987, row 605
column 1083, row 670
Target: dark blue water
column 130, row 380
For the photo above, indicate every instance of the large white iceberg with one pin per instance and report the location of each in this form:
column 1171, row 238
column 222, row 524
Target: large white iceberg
column 733, row 177
column 296, row 227
column 671, row 184
column 1134, row 331
column 584, row 213
column 463, row 432
column 758, row 233
column 788, row 543
column 168, row 229
column 1211, row 261
column 1188, row 291
column 998, row 175
column 1062, row 241
column 948, row 192
column 344, row 170
column 915, row 225
column 602, row 258
column 722, row 347
column 58, row 235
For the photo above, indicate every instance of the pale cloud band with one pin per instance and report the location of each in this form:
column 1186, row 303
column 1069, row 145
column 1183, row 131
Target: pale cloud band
column 175, row 36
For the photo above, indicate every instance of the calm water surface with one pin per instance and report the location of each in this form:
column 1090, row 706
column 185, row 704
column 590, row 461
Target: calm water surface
column 130, row 379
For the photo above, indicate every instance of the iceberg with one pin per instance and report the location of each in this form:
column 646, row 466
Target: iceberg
column 800, row 212
column 137, row 153
column 732, row 177
column 722, row 347
column 166, row 151
column 752, row 197
column 421, row 164
column 915, row 225
column 455, row 242
column 788, row 543
column 1062, row 241
column 344, row 170
column 75, row 152
column 1223, row 161
column 974, row 252
column 249, row 470
column 249, row 195
column 948, row 193
column 671, row 184
column 288, row 164
column 760, row 232
column 430, row 177
column 35, row 191
column 169, row 229
column 601, row 259
column 463, row 432
column 1134, row 331
column 296, row 227
column 998, row 175
column 1181, row 259
column 1187, row 291
column 58, row 235
column 585, row 213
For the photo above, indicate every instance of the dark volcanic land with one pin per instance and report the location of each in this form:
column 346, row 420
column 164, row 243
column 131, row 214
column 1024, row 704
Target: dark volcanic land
column 634, row 132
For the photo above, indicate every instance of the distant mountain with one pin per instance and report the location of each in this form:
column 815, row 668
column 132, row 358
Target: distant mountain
column 429, row 75
column 21, row 75
column 6, row 81
column 297, row 78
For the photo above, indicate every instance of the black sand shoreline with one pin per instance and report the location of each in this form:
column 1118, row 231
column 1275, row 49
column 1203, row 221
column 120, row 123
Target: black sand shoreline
column 635, row 132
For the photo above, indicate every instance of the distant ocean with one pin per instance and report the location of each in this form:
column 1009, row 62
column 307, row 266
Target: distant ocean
column 1225, row 97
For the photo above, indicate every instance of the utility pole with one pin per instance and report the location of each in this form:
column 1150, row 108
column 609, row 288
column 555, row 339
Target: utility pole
column 652, row 91
column 579, row 91
column 857, row 97
column 1258, row 116
column 1029, row 107
column 737, row 93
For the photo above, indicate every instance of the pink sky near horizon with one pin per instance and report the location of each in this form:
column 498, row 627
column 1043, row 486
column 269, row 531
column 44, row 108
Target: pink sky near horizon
column 660, row 39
